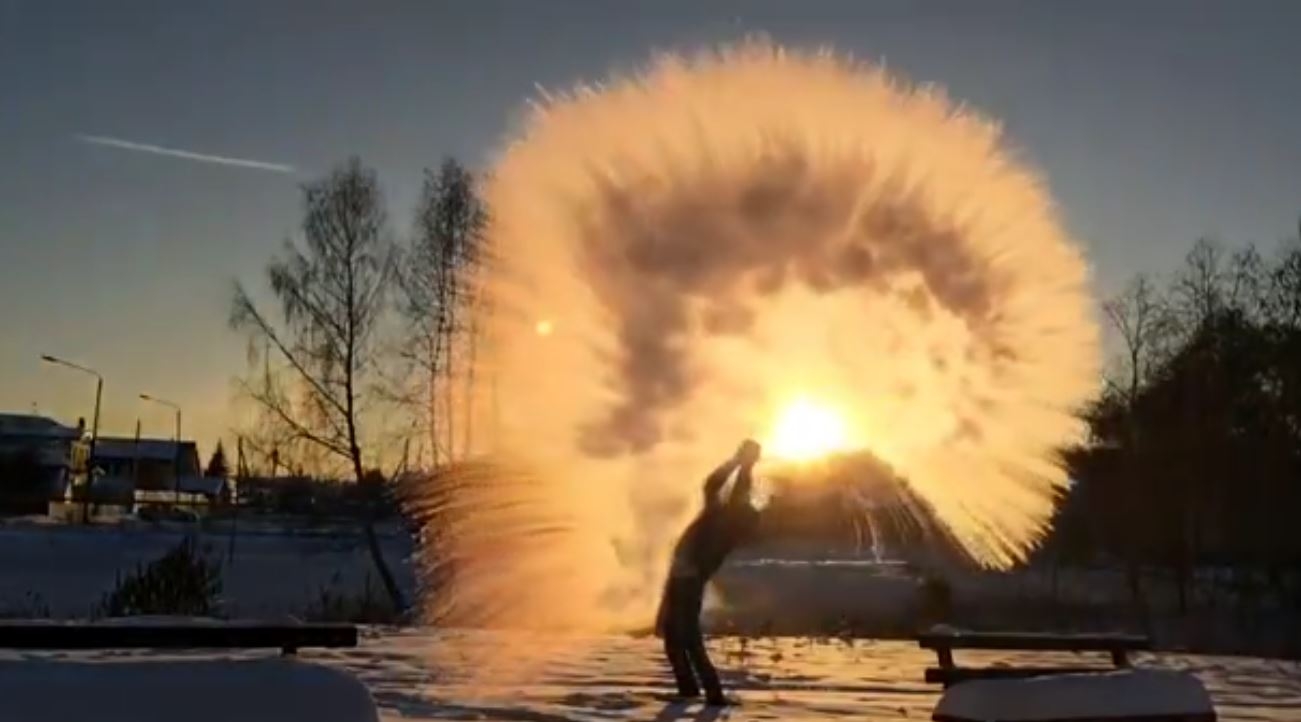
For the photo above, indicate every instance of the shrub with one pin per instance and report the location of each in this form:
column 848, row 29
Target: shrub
column 181, row 582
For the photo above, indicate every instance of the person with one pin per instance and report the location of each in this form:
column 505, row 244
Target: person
column 721, row 526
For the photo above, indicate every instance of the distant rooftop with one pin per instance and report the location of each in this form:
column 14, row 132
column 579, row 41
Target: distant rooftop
column 33, row 425
column 118, row 447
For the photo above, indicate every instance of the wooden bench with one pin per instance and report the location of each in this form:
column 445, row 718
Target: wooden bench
column 947, row 673
column 288, row 638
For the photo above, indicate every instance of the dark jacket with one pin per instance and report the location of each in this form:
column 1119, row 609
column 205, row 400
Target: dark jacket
column 721, row 526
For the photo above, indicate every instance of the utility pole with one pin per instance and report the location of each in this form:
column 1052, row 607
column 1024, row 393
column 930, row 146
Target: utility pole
column 94, row 429
column 135, row 465
column 176, row 460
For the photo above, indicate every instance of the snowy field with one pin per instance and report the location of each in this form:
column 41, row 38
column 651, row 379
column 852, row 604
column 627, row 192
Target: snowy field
column 266, row 572
column 271, row 571
column 422, row 675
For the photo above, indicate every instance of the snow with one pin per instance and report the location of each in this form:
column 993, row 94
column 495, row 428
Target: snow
column 63, row 571
column 422, row 674
column 277, row 567
column 426, row 675
column 194, row 690
column 1119, row 695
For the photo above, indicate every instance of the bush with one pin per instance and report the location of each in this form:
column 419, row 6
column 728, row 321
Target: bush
column 369, row 605
column 181, row 582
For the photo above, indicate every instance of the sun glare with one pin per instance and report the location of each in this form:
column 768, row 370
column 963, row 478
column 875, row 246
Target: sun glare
column 807, row 430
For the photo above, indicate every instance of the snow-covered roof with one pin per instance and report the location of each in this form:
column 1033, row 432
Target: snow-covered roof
column 111, row 447
column 30, row 425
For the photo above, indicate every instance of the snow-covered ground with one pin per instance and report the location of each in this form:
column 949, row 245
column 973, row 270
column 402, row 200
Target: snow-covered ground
column 422, row 674
column 266, row 572
column 274, row 568
column 425, row 675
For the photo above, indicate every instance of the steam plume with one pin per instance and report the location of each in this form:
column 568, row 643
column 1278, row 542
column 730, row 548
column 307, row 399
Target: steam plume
column 714, row 236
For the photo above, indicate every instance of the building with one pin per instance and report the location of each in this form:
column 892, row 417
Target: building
column 47, row 438
column 149, row 464
column 39, row 459
column 35, row 461
column 159, row 471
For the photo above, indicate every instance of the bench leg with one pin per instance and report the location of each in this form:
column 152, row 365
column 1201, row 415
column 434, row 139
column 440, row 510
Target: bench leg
column 945, row 658
column 1120, row 658
column 288, row 651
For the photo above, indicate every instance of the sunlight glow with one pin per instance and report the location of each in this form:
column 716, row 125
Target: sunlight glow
column 807, row 430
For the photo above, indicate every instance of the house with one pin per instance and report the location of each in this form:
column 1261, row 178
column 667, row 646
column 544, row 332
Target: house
column 45, row 437
column 146, row 471
column 193, row 490
column 35, row 461
column 148, row 464
column 40, row 457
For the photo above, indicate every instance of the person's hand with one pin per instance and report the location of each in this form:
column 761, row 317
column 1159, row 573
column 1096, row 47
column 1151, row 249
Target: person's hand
column 749, row 452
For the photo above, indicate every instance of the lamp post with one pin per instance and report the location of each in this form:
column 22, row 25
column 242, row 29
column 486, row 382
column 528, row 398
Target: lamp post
column 176, row 461
column 94, row 428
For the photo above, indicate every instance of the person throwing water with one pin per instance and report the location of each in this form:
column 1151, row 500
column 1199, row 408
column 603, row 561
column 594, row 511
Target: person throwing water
column 721, row 526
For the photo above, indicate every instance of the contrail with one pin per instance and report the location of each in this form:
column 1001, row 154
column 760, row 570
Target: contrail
column 186, row 154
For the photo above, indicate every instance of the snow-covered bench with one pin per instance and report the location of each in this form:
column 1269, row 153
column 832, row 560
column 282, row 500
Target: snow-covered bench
column 943, row 641
column 1056, row 694
column 1130, row 695
column 166, row 686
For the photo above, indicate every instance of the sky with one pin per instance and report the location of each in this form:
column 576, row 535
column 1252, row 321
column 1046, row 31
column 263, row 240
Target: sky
column 151, row 153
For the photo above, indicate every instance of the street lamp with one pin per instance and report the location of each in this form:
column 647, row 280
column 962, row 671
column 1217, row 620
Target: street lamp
column 176, row 461
column 94, row 428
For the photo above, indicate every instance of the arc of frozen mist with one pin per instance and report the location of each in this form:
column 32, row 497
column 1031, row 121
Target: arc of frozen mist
column 122, row 144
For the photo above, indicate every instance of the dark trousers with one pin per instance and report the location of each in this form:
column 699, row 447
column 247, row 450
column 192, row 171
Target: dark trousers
column 683, row 642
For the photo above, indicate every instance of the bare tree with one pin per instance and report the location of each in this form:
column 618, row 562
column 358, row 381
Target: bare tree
column 1142, row 318
column 438, row 304
column 1283, row 304
column 330, row 298
column 1199, row 289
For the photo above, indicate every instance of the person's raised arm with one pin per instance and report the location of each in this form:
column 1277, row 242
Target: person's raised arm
column 716, row 479
column 744, row 484
column 747, row 455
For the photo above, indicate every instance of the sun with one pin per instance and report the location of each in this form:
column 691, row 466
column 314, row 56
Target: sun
column 807, row 430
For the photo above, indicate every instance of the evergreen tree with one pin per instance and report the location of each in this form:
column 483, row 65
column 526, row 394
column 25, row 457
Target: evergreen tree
column 217, row 466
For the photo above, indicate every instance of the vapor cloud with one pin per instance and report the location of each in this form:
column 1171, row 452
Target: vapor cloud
column 717, row 235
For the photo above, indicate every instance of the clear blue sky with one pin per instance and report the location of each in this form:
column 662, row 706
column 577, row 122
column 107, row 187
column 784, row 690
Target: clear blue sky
column 1155, row 122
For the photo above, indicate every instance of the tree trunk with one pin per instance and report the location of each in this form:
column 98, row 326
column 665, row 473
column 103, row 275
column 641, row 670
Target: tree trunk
column 471, row 342
column 372, row 545
column 381, row 566
column 432, row 400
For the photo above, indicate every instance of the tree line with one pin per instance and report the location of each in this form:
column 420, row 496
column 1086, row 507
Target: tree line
column 1193, row 461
